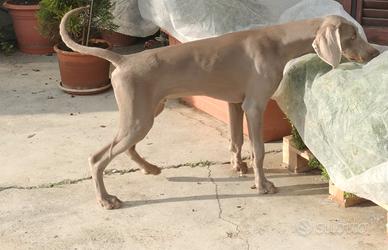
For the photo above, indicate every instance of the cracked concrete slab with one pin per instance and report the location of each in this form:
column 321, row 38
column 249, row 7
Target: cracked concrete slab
column 181, row 210
column 196, row 203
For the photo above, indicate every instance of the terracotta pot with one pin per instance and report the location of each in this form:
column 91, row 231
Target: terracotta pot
column 83, row 74
column 118, row 39
column 25, row 25
column 172, row 40
column 275, row 124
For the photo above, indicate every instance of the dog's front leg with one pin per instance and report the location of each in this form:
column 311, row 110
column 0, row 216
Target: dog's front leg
column 254, row 113
column 236, row 115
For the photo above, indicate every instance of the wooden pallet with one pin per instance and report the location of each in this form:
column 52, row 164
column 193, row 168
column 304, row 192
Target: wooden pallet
column 385, row 206
column 294, row 159
column 297, row 162
column 340, row 198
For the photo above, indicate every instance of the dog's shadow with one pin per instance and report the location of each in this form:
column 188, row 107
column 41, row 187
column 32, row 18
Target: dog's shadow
column 292, row 190
column 271, row 174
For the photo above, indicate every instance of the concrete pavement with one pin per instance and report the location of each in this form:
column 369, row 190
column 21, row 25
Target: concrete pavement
column 47, row 199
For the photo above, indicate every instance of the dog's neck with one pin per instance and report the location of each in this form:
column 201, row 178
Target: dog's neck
column 295, row 43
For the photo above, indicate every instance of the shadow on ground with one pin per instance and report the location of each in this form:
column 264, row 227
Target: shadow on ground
column 292, row 190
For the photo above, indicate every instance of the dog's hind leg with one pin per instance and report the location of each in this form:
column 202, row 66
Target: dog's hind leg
column 146, row 167
column 135, row 123
column 236, row 115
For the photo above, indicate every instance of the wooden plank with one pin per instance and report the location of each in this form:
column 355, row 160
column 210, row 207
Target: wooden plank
column 377, row 22
column 375, row 4
column 385, row 206
column 376, row 13
column 295, row 160
column 338, row 196
column 359, row 6
column 378, row 35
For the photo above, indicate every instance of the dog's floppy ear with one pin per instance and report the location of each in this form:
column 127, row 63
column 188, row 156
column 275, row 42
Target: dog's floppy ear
column 327, row 45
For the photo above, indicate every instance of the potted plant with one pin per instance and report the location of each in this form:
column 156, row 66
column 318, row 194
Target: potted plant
column 23, row 13
column 7, row 34
column 6, row 46
column 80, row 74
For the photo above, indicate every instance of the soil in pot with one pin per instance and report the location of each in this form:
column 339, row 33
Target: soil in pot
column 25, row 24
column 118, row 39
column 83, row 74
column 24, row 2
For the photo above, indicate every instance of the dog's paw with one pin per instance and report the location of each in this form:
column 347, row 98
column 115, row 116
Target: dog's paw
column 240, row 167
column 266, row 187
column 110, row 202
column 151, row 169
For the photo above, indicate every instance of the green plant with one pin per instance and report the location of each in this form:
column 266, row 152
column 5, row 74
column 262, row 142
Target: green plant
column 315, row 164
column 324, row 174
column 349, row 195
column 7, row 47
column 297, row 139
column 52, row 11
column 7, row 34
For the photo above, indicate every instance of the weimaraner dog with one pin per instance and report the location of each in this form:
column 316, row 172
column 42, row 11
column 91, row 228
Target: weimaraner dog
column 241, row 68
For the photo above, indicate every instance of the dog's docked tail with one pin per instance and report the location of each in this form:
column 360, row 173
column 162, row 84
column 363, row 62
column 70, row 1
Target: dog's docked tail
column 114, row 58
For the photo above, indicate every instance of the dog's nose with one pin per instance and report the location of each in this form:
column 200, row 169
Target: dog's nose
column 371, row 54
column 375, row 53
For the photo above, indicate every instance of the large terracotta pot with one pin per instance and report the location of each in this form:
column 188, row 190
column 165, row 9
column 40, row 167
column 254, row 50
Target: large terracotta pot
column 275, row 124
column 25, row 25
column 83, row 74
column 118, row 39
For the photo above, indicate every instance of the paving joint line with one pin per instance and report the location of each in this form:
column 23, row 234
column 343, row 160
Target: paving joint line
column 118, row 172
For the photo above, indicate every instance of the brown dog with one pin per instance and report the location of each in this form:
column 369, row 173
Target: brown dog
column 242, row 68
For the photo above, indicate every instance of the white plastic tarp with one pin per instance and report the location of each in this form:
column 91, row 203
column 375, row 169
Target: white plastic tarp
column 189, row 20
column 127, row 16
column 342, row 116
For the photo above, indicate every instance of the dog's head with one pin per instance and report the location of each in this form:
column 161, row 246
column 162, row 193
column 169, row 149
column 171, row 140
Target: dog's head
column 336, row 37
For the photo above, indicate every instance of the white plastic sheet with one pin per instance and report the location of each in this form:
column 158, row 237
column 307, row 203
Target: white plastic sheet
column 342, row 116
column 190, row 20
column 197, row 19
column 127, row 16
